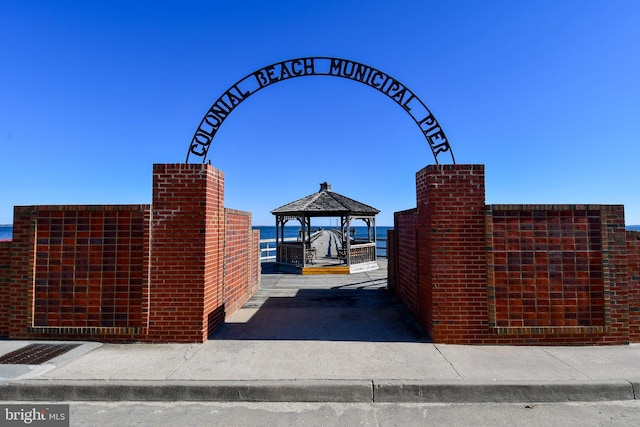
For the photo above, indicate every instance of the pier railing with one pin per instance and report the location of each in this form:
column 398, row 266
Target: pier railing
column 268, row 248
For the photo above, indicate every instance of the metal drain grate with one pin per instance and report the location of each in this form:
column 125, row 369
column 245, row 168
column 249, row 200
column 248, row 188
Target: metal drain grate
column 35, row 354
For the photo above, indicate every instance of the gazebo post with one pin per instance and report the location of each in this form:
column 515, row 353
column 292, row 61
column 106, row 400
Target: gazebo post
column 277, row 235
column 375, row 240
column 305, row 237
column 307, row 246
column 301, row 220
column 349, row 240
column 343, row 233
column 375, row 234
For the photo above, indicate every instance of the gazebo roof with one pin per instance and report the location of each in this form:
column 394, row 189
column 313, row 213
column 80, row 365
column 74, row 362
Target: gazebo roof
column 326, row 203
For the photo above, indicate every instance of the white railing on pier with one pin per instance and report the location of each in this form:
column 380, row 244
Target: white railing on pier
column 268, row 248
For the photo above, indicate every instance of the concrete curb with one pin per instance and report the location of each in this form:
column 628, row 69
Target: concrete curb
column 224, row 391
column 503, row 391
column 367, row 391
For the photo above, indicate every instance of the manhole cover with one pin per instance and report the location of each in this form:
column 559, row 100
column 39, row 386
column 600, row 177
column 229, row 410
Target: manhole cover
column 35, row 354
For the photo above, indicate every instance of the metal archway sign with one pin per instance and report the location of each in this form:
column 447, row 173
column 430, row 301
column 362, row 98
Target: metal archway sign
column 318, row 66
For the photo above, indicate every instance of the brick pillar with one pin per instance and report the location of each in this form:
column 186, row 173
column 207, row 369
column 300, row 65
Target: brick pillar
column 21, row 279
column 615, row 267
column 452, row 288
column 187, row 244
column 392, row 257
column 5, row 288
column 633, row 266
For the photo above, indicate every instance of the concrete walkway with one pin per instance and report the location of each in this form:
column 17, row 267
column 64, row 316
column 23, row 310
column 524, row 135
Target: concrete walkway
column 336, row 338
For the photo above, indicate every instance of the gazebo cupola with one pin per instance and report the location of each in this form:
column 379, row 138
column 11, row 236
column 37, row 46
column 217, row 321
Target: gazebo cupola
column 352, row 253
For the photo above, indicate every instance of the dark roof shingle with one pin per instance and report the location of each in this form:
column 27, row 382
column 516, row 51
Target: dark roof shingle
column 325, row 203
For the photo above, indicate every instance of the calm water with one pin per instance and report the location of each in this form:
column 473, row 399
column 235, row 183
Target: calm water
column 269, row 232
column 266, row 232
column 6, row 232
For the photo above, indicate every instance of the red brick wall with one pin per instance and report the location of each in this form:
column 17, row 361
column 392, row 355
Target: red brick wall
column 403, row 253
column 501, row 274
column 548, row 275
column 90, row 268
column 514, row 274
column 187, row 244
column 5, row 277
column 129, row 273
column 78, row 272
column 240, row 262
column 452, row 291
column 547, row 265
column 633, row 270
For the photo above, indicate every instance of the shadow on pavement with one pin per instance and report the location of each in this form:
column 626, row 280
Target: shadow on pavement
column 336, row 314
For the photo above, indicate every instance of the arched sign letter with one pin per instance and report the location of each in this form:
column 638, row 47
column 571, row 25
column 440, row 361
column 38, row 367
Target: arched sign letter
column 318, row 66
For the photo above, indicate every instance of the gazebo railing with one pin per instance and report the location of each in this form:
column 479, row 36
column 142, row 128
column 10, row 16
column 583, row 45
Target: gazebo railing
column 268, row 248
column 361, row 253
column 290, row 253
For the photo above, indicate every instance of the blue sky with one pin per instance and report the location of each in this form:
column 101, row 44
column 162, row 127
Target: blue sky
column 545, row 93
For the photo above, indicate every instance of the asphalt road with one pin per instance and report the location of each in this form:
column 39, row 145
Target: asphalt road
column 583, row 414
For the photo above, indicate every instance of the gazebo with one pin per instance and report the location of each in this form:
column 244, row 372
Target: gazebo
column 353, row 253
